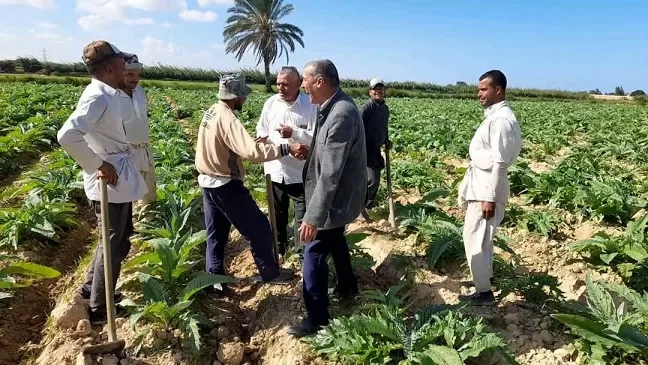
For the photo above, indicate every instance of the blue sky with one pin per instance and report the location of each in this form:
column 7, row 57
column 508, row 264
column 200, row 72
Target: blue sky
column 568, row 44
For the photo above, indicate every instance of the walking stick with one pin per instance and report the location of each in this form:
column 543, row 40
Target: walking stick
column 392, row 210
column 113, row 345
column 271, row 215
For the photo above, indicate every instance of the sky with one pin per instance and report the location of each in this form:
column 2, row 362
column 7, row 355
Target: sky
column 549, row 44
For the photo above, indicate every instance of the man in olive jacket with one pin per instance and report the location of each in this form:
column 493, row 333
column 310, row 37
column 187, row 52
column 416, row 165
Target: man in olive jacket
column 335, row 182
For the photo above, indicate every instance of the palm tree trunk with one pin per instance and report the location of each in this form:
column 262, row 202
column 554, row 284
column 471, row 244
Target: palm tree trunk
column 268, row 82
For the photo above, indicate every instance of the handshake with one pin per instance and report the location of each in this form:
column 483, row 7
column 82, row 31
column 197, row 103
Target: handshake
column 298, row 151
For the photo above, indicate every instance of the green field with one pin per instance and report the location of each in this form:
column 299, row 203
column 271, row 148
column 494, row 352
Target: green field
column 583, row 165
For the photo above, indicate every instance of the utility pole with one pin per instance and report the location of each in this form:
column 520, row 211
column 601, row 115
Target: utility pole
column 44, row 55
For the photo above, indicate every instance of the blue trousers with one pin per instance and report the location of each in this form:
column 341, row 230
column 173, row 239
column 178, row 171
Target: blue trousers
column 232, row 204
column 315, row 272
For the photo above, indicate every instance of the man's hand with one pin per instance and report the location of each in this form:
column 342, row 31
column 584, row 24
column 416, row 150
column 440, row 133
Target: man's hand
column 285, row 131
column 261, row 139
column 388, row 145
column 108, row 172
column 307, row 232
column 488, row 210
column 298, row 151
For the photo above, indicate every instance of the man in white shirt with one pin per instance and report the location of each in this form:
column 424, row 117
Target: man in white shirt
column 484, row 191
column 134, row 109
column 287, row 117
column 94, row 136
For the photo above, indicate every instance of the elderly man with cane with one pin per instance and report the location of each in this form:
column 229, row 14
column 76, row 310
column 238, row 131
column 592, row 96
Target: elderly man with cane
column 335, row 181
column 95, row 136
column 484, row 191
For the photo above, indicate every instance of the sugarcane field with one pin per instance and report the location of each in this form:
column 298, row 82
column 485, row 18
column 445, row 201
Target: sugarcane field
column 296, row 213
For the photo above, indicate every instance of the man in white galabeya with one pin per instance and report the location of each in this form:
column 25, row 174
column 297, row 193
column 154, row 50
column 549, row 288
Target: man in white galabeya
column 484, row 191
column 287, row 117
column 134, row 108
column 94, row 135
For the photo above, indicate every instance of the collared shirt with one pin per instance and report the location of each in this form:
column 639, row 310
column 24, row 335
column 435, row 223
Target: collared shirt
column 95, row 133
column 494, row 148
column 301, row 116
column 134, row 111
column 223, row 142
column 324, row 104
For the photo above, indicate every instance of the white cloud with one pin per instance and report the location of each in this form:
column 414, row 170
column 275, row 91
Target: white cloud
column 6, row 36
column 106, row 12
column 139, row 21
column 116, row 9
column 166, row 25
column 153, row 48
column 154, row 5
column 47, row 25
column 207, row 3
column 198, row 16
column 92, row 22
column 106, row 9
column 38, row 4
column 50, row 36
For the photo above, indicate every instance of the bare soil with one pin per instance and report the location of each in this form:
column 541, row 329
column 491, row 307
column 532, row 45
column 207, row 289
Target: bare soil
column 255, row 317
column 23, row 318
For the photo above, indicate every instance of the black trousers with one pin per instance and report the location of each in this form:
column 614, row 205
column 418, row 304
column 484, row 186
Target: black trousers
column 120, row 226
column 232, row 204
column 373, row 183
column 315, row 272
column 283, row 194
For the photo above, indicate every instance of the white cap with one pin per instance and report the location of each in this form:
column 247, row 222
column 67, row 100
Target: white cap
column 376, row 81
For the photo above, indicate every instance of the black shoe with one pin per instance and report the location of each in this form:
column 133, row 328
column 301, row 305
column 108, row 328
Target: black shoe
column 343, row 294
column 99, row 317
column 285, row 277
column 480, row 298
column 218, row 291
column 118, row 297
column 306, row 327
column 471, row 284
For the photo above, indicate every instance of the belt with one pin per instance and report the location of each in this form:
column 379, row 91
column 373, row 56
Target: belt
column 140, row 145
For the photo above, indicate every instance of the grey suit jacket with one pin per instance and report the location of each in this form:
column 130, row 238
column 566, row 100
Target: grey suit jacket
column 335, row 173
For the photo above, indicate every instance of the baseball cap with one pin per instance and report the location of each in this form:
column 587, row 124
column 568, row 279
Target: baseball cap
column 99, row 51
column 233, row 86
column 376, row 81
column 133, row 63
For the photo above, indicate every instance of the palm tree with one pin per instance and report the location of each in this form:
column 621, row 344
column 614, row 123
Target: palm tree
column 255, row 24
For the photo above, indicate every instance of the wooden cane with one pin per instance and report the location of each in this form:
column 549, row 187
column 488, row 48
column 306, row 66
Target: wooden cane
column 113, row 346
column 271, row 216
column 392, row 210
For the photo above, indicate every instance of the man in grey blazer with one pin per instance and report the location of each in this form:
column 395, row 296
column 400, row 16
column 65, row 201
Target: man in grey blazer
column 335, row 182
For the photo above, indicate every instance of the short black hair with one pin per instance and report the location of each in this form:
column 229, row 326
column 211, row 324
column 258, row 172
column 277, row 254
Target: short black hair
column 325, row 69
column 497, row 78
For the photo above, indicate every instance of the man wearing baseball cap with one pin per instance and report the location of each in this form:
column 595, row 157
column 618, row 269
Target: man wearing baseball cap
column 222, row 144
column 133, row 103
column 375, row 116
column 94, row 135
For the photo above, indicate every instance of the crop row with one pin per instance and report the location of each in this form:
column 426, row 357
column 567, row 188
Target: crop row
column 31, row 116
column 254, row 76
